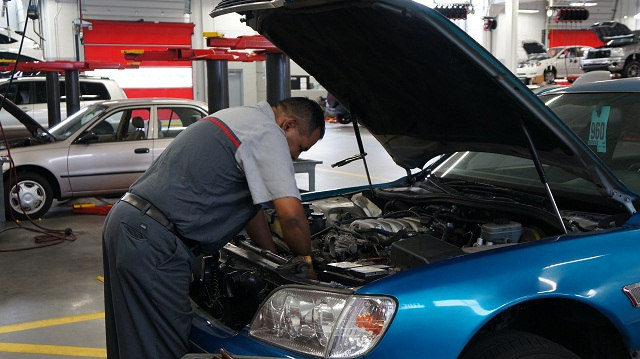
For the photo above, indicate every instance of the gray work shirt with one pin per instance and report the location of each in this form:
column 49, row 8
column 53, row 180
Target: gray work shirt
column 210, row 180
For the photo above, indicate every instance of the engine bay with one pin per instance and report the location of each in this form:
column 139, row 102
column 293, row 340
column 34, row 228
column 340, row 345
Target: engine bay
column 361, row 237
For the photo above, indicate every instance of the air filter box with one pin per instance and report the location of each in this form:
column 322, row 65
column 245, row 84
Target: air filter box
column 421, row 249
column 501, row 232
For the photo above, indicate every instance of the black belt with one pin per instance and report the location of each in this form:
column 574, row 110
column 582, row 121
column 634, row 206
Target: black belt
column 150, row 210
column 147, row 208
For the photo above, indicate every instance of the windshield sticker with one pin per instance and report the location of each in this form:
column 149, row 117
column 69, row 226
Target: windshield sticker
column 598, row 129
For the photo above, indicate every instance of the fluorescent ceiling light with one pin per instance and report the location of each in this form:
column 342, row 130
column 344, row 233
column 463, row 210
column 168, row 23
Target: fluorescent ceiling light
column 583, row 4
column 525, row 11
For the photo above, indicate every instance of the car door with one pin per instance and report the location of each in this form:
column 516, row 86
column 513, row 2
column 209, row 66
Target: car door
column 170, row 121
column 116, row 156
column 20, row 93
column 562, row 63
column 574, row 56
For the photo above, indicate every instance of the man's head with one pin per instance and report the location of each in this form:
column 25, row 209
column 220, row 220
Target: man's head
column 302, row 121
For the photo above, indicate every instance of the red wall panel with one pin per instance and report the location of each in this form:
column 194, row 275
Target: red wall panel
column 573, row 37
column 159, row 92
column 106, row 40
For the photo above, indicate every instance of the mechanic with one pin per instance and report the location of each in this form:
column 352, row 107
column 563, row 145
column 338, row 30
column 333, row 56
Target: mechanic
column 206, row 186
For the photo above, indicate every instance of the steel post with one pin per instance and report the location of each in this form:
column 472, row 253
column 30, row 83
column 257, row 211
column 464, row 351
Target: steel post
column 53, row 98
column 278, row 77
column 72, row 91
column 217, row 85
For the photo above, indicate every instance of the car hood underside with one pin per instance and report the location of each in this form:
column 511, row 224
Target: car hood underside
column 419, row 83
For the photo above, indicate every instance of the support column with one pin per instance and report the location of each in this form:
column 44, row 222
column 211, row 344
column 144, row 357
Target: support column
column 53, row 98
column 217, row 85
column 72, row 91
column 511, row 13
column 278, row 77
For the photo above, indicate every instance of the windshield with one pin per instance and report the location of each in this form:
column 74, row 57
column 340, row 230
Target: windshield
column 73, row 123
column 511, row 172
column 609, row 124
column 554, row 51
column 620, row 42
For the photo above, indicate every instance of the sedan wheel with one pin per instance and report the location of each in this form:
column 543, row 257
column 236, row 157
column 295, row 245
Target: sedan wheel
column 31, row 197
column 549, row 76
column 516, row 345
column 631, row 69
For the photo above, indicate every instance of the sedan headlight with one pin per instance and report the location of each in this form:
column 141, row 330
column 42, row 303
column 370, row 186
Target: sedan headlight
column 320, row 323
column 617, row 52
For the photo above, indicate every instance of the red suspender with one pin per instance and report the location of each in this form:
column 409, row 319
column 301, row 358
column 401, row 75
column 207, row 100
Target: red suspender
column 224, row 129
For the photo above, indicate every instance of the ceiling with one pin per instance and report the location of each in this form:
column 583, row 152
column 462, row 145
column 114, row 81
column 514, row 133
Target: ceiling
column 605, row 10
column 174, row 10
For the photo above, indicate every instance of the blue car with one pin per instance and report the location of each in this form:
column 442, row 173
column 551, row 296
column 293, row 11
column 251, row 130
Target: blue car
column 515, row 234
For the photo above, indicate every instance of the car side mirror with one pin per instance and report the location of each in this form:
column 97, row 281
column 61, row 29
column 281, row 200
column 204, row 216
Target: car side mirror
column 87, row 137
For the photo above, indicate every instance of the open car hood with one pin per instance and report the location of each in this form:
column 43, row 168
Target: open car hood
column 608, row 30
column 533, row 47
column 418, row 83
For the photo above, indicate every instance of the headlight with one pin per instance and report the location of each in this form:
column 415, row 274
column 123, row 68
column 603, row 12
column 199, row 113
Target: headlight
column 617, row 51
column 538, row 63
column 321, row 323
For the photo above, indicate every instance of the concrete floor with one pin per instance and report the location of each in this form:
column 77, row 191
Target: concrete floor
column 51, row 298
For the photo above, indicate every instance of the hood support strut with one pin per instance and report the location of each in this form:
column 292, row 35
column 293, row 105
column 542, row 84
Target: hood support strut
column 541, row 173
column 356, row 130
column 360, row 156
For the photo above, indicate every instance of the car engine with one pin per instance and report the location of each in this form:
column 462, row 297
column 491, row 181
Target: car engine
column 365, row 236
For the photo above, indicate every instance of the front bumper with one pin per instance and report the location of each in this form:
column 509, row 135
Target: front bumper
column 612, row 64
column 209, row 336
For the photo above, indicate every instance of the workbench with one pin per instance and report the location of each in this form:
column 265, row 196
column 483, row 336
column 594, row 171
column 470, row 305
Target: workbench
column 309, row 167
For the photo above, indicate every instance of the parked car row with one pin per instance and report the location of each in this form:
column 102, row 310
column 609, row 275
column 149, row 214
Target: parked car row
column 619, row 55
column 30, row 95
column 544, row 66
column 99, row 150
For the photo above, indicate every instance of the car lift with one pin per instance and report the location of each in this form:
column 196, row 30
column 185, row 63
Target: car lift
column 71, row 69
column 222, row 51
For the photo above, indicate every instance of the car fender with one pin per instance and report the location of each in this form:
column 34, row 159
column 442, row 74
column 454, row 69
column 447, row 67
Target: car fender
column 55, row 162
column 443, row 305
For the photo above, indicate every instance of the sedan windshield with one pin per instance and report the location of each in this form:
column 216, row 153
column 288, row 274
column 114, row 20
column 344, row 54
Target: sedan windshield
column 73, row 123
column 510, row 172
column 608, row 123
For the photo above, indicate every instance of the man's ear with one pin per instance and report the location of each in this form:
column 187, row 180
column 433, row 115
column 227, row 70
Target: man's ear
column 289, row 122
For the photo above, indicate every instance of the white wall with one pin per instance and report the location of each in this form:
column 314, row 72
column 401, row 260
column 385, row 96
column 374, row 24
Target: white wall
column 57, row 26
column 529, row 28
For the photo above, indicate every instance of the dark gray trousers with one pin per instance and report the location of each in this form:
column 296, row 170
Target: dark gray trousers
column 147, row 273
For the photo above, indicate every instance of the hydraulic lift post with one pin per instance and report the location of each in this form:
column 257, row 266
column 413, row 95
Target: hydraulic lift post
column 72, row 91
column 53, row 98
column 217, row 84
column 278, row 77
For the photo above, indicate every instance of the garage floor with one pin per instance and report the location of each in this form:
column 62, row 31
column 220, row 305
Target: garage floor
column 51, row 299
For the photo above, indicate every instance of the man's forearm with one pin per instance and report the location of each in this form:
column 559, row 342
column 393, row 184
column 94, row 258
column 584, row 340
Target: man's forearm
column 258, row 230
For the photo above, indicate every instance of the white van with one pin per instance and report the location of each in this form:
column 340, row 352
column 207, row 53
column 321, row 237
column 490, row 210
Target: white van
column 30, row 95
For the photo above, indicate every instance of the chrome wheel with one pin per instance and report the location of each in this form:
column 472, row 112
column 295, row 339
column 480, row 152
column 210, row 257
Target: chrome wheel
column 549, row 77
column 31, row 197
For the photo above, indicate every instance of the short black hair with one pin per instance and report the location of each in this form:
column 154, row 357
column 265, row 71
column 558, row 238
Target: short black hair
column 306, row 110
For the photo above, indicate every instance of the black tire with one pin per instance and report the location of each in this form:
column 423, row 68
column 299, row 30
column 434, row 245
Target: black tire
column 344, row 119
column 512, row 344
column 631, row 69
column 36, row 196
column 549, row 76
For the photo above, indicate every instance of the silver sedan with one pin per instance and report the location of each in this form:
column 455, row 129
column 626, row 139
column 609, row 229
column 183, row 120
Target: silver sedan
column 100, row 150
